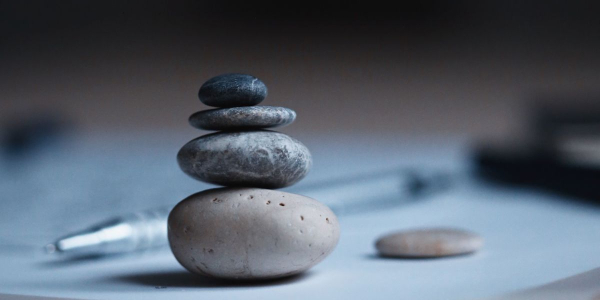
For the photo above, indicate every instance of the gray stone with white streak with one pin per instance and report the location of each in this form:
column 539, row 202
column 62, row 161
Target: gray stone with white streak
column 231, row 90
column 246, row 117
column 261, row 158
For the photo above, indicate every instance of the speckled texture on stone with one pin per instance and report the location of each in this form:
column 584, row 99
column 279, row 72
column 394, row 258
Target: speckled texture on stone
column 251, row 233
column 429, row 242
column 257, row 158
column 248, row 117
column 231, row 90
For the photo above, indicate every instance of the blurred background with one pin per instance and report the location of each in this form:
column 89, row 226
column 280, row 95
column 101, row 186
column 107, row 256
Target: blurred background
column 422, row 87
column 466, row 68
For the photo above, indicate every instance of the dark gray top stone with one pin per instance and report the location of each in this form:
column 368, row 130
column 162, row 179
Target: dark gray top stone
column 231, row 90
column 261, row 158
column 247, row 117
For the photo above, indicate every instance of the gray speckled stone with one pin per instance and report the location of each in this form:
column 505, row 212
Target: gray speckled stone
column 230, row 90
column 264, row 159
column 248, row 117
column 429, row 242
column 250, row 233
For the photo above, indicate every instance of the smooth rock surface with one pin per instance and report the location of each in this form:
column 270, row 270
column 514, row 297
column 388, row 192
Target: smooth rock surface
column 250, row 233
column 429, row 242
column 248, row 117
column 230, row 90
column 259, row 158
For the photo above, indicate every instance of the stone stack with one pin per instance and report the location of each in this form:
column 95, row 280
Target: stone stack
column 246, row 230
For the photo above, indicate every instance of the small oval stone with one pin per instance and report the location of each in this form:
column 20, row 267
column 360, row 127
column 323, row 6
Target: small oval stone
column 260, row 158
column 250, row 233
column 429, row 242
column 248, row 117
column 230, row 90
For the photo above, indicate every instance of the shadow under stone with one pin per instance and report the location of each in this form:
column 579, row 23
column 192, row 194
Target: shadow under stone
column 180, row 279
column 373, row 256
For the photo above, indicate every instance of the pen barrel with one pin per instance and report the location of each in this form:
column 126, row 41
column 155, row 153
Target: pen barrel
column 148, row 229
column 378, row 191
column 129, row 233
column 365, row 194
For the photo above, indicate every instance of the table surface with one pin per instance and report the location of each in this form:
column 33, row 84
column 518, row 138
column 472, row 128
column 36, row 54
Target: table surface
column 531, row 237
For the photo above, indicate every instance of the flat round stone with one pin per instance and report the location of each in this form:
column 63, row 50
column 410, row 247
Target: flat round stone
column 429, row 242
column 231, row 90
column 247, row 117
column 260, row 158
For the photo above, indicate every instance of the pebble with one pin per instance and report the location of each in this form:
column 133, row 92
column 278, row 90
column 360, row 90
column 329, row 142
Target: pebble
column 249, row 117
column 260, row 158
column 429, row 242
column 251, row 233
column 230, row 90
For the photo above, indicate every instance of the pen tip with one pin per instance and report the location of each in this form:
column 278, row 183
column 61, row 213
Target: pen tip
column 50, row 248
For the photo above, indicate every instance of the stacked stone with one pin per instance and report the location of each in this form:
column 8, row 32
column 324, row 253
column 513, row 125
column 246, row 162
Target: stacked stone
column 247, row 230
column 243, row 153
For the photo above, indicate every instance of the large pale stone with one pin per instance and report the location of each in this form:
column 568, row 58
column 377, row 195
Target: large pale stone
column 251, row 233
